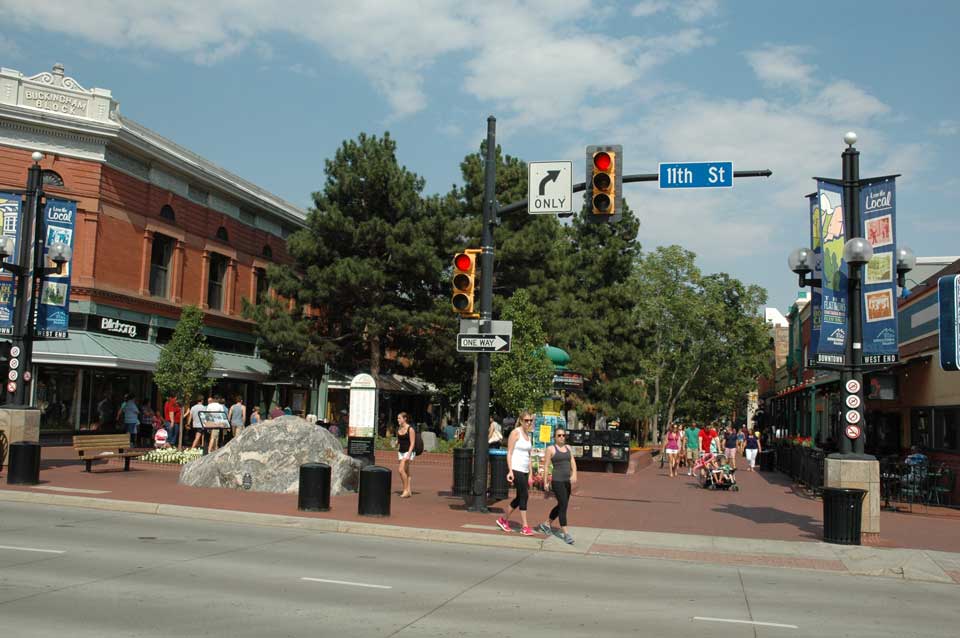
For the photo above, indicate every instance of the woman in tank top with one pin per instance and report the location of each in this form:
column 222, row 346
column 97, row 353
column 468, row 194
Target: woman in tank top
column 671, row 446
column 561, row 481
column 406, row 451
column 518, row 464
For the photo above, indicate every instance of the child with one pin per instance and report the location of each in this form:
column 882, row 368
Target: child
column 160, row 438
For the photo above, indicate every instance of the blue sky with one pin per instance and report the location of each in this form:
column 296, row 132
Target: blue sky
column 269, row 90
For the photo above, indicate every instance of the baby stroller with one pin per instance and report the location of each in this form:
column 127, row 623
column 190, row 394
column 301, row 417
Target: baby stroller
column 715, row 474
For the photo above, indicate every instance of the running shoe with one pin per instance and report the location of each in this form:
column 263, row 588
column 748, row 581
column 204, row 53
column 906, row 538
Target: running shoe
column 568, row 539
column 504, row 524
column 544, row 528
column 526, row 531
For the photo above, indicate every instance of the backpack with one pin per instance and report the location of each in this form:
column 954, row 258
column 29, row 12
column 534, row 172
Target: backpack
column 418, row 443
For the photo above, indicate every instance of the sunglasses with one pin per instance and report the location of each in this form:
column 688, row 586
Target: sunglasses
column 528, row 420
column 560, row 436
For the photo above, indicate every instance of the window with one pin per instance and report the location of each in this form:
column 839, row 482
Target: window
column 218, row 271
column 160, row 265
column 52, row 178
column 167, row 213
column 263, row 287
column 10, row 224
column 222, row 234
column 268, row 252
column 946, row 427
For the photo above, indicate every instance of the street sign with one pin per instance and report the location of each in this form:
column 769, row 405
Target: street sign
column 696, row 175
column 483, row 343
column 853, row 401
column 853, row 417
column 852, row 432
column 11, row 387
column 472, row 327
column 549, row 188
column 948, row 289
column 853, row 386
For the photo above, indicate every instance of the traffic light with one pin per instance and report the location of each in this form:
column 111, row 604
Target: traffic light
column 605, row 182
column 464, row 282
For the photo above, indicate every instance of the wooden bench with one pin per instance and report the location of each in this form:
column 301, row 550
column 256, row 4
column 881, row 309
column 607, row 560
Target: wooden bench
column 93, row 447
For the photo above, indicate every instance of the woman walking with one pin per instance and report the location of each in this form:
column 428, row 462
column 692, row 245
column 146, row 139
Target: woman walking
column 671, row 446
column 518, row 461
column 753, row 448
column 406, row 446
column 560, row 482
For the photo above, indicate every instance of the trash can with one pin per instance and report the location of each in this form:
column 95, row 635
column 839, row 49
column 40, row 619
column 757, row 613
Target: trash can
column 499, row 488
column 842, row 509
column 374, row 491
column 314, row 493
column 23, row 464
column 462, row 470
column 767, row 460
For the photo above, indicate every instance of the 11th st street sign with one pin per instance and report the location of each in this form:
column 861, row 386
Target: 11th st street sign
column 696, row 175
column 483, row 343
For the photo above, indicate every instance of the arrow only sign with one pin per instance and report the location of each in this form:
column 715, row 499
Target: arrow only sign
column 550, row 188
column 483, row 343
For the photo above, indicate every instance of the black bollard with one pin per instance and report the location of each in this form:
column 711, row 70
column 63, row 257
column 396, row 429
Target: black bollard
column 374, row 491
column 462, row 470
column 314, row 488
column 23, row 464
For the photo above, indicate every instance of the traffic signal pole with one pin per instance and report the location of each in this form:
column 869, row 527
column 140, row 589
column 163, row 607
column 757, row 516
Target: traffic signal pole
column 482, row 412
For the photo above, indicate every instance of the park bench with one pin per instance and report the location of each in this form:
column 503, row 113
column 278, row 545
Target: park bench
column 93, row 447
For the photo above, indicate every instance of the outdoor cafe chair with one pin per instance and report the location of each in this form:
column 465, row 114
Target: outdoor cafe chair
column 941, row 486
column 914, row 485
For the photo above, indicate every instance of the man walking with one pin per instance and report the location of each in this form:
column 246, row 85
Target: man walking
column 692, row 447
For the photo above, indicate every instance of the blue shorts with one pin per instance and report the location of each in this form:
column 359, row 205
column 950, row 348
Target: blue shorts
column 131, row 427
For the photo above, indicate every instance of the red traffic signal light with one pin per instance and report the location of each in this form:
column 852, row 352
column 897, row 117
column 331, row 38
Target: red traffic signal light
column 605, row 179
column 464, row 282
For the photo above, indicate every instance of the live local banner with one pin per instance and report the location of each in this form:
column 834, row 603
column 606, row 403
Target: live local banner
column 10, row 208
column 53, row 314
column 831, row 345
column 878, row 225
column 948, row 291
column 816, row 301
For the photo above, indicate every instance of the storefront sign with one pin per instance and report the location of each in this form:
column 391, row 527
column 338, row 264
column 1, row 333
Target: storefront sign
column 363, row 417
column 53, row 312
column 110, row 326
column 878, row 226
column 816, row 301
column 10, row 210
column 831, row 347
column 948, row 290
column 568, row 380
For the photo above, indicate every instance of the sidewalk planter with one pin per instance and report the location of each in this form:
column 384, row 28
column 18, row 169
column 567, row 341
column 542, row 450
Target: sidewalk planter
column 462, row 470
column 842, row 511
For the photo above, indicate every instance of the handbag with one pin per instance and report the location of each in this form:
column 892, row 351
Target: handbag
column 496, row 437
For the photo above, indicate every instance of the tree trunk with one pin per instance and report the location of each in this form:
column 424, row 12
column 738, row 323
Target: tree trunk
column 373, row 341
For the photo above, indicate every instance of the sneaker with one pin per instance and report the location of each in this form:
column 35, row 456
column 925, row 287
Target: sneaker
column 568, row 539
column 544, row 528
column 526, row 531
column 504, row 524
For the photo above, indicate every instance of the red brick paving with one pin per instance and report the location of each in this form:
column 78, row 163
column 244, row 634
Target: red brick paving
column 768, row 506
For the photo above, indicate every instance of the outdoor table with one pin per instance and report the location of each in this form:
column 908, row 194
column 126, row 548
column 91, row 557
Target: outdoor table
column 889, row 485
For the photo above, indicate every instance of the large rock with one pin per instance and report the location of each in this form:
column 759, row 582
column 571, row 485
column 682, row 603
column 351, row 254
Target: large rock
column 272, row 453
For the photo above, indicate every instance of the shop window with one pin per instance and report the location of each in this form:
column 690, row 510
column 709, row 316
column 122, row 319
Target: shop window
column 946, row 423
column 215, row 280
column 920, row 427
column 263, row 286
column 160, row 256
column 167, row 213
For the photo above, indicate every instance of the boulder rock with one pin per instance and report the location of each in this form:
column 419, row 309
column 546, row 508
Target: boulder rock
column 271, row 453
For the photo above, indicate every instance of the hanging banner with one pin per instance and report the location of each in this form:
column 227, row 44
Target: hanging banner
column 10, row 204
column 948, row 298
column 53, row 311
column 831, row 346
column 878, row 225
column 816, row 301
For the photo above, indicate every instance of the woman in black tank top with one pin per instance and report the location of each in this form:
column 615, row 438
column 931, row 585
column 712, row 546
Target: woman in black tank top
column 561, row 480
column 406, row 446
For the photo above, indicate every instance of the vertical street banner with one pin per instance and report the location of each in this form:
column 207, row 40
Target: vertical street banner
column 816, row 300
column 948, row 298
column 878, row 225
column 10, row 204
column 831, row 346
column 53, row 311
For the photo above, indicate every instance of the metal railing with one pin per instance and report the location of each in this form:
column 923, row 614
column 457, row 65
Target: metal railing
column 802, row 464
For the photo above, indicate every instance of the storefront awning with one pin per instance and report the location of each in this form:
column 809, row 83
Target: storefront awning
column 239, row 366
column 102, row 351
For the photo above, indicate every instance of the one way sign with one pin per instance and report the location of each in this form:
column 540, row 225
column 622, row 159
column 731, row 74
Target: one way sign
column 483, row 343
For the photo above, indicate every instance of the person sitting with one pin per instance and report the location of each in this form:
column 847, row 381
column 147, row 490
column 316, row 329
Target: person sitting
column 916, row 457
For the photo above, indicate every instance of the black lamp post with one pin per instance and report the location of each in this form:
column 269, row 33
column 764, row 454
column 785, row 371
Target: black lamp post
column 30, row 245
column 857, row 252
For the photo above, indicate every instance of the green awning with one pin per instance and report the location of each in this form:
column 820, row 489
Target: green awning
column 102, row 351
column 238, row 366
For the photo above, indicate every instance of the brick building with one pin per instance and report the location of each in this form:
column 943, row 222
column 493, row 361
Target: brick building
column 157, row 227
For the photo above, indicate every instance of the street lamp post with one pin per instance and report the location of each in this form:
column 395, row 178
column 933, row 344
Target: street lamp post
column 29, row 270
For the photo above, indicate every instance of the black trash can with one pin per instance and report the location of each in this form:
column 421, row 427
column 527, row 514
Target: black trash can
column 499, row 488
column 842, row 511
column 23, row 464
column 767, row 460
column 374, row 491
column 314, row 488
column 462, row 470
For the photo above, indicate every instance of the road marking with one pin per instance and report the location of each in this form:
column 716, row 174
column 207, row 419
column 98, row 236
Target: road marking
column 746, row 622
column 75, row 490
column 33, row 549
column 346, row 582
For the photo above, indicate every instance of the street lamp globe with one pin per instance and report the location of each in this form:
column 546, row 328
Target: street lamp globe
column 857, row 251
column 850, row 138
column 59, row 252
column 36, row 156
column 906, row 260
column 800, row 260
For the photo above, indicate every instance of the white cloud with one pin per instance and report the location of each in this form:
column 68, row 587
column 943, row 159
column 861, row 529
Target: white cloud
column 649, row 8
column 948, row 127
column 778, row 66
column 685, row 10
column 845, row 102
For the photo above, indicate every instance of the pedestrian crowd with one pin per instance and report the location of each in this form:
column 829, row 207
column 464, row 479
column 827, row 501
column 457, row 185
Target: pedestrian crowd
column 708, row 452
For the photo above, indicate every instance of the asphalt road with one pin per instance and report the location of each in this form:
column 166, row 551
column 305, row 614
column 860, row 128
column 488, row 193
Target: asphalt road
column 80, row 572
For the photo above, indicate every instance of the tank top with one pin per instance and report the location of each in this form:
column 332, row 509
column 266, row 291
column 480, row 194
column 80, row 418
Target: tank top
column 561, row 464
column 403, row 440
column 520, row 461
column 672, row 443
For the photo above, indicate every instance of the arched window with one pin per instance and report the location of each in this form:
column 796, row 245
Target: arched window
column 222, row 234
column 268, row 252
column 52, row 178
column 167, row 213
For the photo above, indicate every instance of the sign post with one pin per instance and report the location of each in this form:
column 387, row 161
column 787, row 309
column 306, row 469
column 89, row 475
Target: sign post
column 361, row 429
